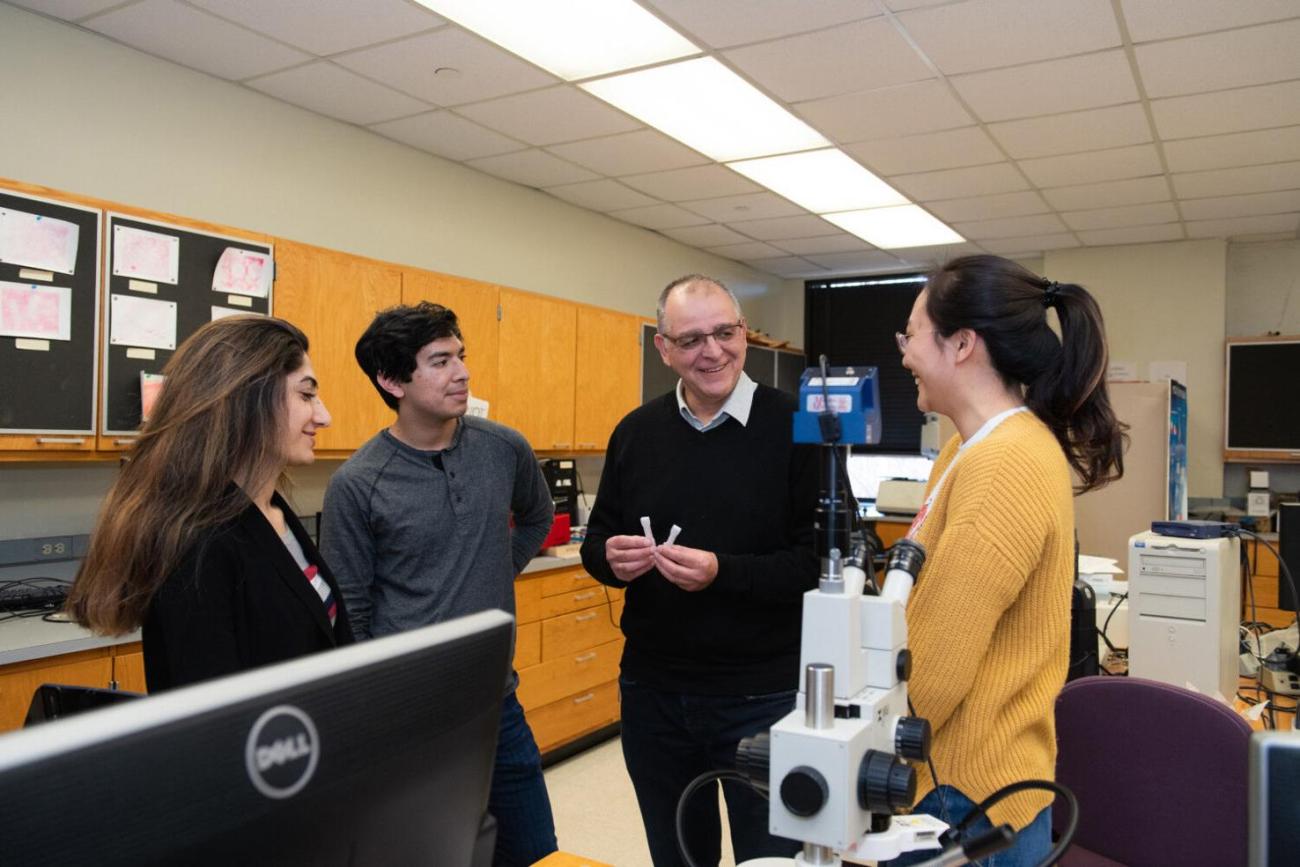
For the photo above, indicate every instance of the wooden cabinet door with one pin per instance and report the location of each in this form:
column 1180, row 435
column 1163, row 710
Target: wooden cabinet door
column 18, row 682
column 535, row 368
column 607, row 375
column 475, row 306
column 333, row 297
column 128, row 667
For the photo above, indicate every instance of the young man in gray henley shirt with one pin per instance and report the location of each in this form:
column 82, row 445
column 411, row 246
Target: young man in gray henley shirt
column 417, row 529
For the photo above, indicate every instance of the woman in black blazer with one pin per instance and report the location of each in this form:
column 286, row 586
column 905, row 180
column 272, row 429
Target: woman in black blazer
column 194, row 542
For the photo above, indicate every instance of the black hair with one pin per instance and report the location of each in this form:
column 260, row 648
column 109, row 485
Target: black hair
column 390, row 343
column 1063, row 378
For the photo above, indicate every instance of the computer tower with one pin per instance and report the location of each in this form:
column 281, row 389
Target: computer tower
column 1288, row 545
column 1184, row 598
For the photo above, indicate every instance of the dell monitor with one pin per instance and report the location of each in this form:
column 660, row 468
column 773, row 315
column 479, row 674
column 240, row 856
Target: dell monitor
column 373, row 754
column 1273, row 808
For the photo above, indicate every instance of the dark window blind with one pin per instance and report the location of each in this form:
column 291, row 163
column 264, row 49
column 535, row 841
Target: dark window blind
column 853, row 320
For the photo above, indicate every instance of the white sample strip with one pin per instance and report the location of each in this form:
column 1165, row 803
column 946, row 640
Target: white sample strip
column 645, row 528
column 28, row 310
column 672, row 534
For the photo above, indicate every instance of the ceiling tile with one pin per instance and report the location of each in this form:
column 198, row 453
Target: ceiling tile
column 951, row 149
column 841, row 243
column 1217, row 61
column 711, row 235
column 446, row 67
column 660, row 217
column 1267, row 105
column 925, row 106
column 747, row 250
column 1055, row 86
column 629, row 153
column 195, row 39
column 70, row 10
column 956, row 183
column 1244, row 226
column 542, row 117
column 1161, row 19
column 331, row 90
column 1228, row 182
column 1111, row 194
column 867, row 261
column 1086, row 168
column 863, row 55
column 926, row 258
column 698, row 182
column 532, row 168
column 723, row 23
column 1238, row 149
column 786, row 266
column 903, row 5
column 1010, row 227
column 1095, row 129
column 327, row 26
column 965, row 37
column 1225, row 207
column 447, row 135
column 601, row 195
column 989, row 207
column 755, row 206
column 1116, row 218
column 1007, row 246
column 781, row 228
column 1133, row 235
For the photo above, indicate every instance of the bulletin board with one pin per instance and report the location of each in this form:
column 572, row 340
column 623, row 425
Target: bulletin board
column 47, row 373
column 158, row 290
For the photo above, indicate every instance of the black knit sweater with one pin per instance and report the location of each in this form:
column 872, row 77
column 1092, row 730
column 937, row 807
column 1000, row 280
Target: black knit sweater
column 743, row 492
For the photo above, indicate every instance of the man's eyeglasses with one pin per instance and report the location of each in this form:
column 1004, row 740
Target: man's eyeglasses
column 694, row 340
column 903, row 339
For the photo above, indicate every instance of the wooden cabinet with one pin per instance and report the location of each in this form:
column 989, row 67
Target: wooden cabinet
column 567, row 654
column 536, row 368
column 475, row 306
column 333, row 297
column 122, row 664
column 607, row 375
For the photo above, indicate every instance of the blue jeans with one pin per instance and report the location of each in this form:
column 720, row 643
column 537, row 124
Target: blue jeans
column 671, row 738
column 1033, row 842
column 519, row 803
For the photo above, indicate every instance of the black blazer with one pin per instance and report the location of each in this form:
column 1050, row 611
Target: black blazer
column 238, row 601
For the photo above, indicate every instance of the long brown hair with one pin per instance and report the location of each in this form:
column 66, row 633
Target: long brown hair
column 216, row 425
column 1064, row 378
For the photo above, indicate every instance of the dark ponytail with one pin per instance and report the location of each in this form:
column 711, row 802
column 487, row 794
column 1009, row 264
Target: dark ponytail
column 1064, row 379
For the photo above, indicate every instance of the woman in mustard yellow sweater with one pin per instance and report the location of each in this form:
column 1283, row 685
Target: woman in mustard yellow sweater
column 989, row 620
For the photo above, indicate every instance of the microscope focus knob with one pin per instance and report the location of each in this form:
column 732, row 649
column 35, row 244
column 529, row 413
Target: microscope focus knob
column 903, row 665
column 804, row 791
column 912, row 738
column 885, row 784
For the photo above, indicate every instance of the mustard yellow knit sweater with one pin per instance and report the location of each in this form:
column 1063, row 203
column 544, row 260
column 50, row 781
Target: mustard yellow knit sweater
column 989, row 620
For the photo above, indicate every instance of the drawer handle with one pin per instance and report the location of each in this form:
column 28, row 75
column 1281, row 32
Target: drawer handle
column 583, row 617
column 582, row 699
column 124, row 442
column 579, row 597
column 586, row 657
column 60, row 441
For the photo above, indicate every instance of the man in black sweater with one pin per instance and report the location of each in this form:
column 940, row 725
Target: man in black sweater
column 712, row 622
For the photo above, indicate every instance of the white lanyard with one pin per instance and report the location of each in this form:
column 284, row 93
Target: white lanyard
column 987, row 428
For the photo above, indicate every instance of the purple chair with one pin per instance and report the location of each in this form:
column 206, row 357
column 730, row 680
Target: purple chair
column 1160, row 773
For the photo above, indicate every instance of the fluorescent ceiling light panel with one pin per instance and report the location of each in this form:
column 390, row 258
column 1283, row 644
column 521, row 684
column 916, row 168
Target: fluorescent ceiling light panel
column 706, row 106
column 821, row 181
column 574, row 38
column 893, row 228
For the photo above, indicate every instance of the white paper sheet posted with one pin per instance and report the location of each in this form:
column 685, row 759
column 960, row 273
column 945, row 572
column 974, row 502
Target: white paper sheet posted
column 33, row 241
column 142, row 322
column 29, row 310
column 243, row 272
column 146, row 255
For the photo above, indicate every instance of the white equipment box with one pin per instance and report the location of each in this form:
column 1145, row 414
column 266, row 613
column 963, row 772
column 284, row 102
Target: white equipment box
column 1184, row 598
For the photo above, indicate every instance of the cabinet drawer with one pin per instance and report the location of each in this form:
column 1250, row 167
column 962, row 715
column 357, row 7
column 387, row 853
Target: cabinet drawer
column 588, row 597
column 614, row 593
column 567, row 581
column 573, row 633
column 552, row 681
column 528, row 645
column 617, row 611
column 576, row 715
column 528, row 600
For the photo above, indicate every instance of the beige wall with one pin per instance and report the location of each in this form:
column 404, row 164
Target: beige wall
column 1165, row 302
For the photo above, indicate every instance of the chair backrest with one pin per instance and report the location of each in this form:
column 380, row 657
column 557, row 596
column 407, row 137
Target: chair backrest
column 1160, row 772
column 54, row 700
